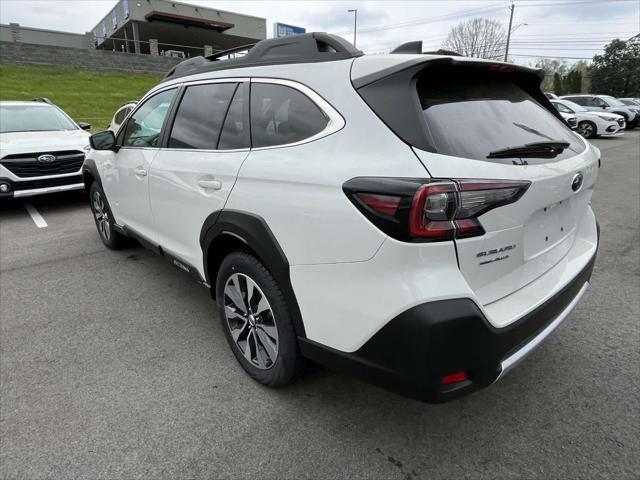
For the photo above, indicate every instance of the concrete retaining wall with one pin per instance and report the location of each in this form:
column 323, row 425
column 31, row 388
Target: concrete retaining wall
column 85, row 59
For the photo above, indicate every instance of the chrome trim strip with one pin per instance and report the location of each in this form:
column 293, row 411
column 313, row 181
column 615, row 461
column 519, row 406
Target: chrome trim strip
column 513, row 360
column 336, row 121
column 17, row 179
column 39, row 191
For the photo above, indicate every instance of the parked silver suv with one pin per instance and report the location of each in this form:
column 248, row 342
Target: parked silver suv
column 606, row 103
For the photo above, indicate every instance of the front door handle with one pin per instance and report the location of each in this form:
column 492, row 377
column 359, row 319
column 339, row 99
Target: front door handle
column 141, row 172
column 210, row 184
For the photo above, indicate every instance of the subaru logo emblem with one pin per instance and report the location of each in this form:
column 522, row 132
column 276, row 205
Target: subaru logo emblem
column 46, row 158
column 576, row 183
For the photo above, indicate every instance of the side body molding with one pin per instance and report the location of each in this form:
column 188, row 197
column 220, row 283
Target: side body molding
column 256, row 234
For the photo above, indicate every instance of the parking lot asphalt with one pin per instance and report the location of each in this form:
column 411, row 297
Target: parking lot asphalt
column 114, row 365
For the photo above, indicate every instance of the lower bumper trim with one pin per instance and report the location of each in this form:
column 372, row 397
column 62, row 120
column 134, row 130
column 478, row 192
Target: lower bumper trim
column 44, row 190
column 514, row 359
column 415, row 350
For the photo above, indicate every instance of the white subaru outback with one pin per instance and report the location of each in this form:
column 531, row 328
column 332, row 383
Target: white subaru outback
column 41, row 149
column 421, row 221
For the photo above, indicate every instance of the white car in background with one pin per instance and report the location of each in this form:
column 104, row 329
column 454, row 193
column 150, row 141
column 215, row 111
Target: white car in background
column 120, row 115
column 592, row 124
column 41, row 149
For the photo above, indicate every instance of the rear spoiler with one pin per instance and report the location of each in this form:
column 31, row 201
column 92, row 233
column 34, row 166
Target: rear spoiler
column 428, row 61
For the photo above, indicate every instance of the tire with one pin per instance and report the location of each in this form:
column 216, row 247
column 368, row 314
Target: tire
column 587, row 129
column 260, row 331
column 104, row 219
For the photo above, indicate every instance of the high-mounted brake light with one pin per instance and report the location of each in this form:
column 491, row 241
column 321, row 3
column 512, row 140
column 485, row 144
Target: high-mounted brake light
column 497, row 67
column 430, row 210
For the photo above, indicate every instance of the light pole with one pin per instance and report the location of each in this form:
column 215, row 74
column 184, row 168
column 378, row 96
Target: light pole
column 355, row 23
column 511, row 30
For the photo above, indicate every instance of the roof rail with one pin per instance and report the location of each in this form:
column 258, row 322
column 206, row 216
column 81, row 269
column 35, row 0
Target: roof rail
column 416, row 48
column 307, row 48
column 229, row 51
column 44, row 100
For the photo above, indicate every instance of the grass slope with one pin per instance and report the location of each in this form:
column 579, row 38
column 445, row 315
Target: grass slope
column 91, row 97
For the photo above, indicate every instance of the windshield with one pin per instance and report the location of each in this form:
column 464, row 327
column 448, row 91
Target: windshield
column 472, row 116
column 612, row 100
column 33, row 118
column 574, row 106
column 561, row 107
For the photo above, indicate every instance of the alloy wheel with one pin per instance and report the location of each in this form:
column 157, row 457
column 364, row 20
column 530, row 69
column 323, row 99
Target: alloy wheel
column 586, row 130
column 251, row 321
column 102, row 216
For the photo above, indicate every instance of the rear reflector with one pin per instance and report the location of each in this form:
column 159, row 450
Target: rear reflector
column 454, row 378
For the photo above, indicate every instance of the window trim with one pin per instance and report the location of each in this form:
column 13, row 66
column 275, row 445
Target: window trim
column 336, row 121
column 143, row 101
column 239, row 83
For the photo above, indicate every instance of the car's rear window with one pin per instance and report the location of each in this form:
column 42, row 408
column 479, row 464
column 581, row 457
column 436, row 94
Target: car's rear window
column 472, row 117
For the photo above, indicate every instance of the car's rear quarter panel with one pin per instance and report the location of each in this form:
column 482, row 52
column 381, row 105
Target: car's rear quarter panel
column 297, row 190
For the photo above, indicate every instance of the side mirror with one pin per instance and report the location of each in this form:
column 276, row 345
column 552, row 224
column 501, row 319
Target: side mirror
column 84, row 126
column 103, row 141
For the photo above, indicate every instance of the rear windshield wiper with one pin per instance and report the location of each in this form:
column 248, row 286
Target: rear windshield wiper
column 536, row 149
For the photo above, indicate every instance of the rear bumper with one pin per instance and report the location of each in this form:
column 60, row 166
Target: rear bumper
column 412, row 353
column 28, row 188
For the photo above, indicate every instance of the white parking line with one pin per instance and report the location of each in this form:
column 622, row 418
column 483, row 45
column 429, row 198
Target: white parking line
column 35, row 216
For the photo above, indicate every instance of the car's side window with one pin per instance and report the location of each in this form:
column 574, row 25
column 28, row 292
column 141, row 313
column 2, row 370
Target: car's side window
column 282, row 115
column 144, row 127
column 593, row 102
column 579, row 100
column 200, row 115
column 235, row 131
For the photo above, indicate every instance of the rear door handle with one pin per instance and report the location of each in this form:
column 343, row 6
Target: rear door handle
column 140, row 171
column 210, row 184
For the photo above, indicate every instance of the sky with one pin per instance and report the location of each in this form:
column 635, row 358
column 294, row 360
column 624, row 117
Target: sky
column 570, row 29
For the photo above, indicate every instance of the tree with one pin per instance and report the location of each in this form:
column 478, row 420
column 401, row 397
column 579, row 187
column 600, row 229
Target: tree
column 477, row 37
column 572, row 82
column 550, row 67
column 557, row 84
column 617, row 71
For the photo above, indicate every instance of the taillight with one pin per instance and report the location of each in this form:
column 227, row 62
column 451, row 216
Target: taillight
column 430, row 210
column 433, row 210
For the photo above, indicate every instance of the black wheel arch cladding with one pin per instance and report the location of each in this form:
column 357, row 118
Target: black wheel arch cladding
column 253, row 231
